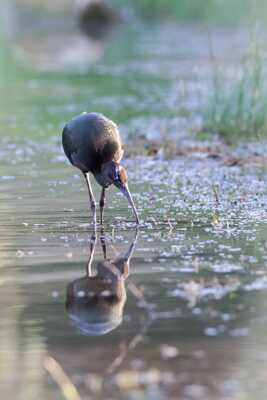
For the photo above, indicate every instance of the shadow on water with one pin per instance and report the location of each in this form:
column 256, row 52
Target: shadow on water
column 96, row 302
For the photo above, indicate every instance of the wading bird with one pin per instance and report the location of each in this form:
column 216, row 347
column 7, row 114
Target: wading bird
column 92, row 143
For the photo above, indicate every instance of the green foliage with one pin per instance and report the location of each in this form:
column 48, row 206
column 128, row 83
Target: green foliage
column 225, row 11
column 239, row 108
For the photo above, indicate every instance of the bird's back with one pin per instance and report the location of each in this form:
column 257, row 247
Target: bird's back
column 91, row 139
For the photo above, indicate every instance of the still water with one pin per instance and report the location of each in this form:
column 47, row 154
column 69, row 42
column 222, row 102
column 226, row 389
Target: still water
column 176, row 310
column 186, row 319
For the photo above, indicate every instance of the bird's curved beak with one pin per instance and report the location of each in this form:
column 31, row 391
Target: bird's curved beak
column 125, row 190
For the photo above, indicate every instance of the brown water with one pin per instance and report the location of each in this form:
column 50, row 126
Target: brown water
column 189, row 321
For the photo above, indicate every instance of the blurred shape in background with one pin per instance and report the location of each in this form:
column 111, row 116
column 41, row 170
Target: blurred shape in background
column 96, row 18
column 58, row 34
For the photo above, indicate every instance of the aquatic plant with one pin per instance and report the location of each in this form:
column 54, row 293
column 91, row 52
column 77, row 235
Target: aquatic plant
column 237, row 107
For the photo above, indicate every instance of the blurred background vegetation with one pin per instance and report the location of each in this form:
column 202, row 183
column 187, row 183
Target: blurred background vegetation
column 114, row 56
column 195, row 11
column 213, row 11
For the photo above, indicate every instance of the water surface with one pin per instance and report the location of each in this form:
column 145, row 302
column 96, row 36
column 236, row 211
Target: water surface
column 193, row 323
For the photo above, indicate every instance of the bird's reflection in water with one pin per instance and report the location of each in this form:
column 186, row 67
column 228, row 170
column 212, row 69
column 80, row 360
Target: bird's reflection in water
column 95, row 302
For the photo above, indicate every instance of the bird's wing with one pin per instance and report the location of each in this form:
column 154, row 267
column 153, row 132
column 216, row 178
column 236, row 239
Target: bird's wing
column 68, row 144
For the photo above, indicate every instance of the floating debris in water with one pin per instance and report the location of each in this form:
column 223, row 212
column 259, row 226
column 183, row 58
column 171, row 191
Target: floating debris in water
column 195, row 392
column 128, row 380
column 167, row 352
column 239, row 332
column 20, row 253
column 7, row 178
column 227, row 268
column 105, row 293
column 211, row 331
column 199, row 354
column 195, row 291
column 137, row 364
column 94, row 383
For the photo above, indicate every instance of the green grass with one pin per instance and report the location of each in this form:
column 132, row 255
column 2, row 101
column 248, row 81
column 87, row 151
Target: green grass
column 211, row 11
column 183, row 11
column 237, row 108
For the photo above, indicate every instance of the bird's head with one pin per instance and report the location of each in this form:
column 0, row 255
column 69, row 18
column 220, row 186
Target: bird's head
column 110, row 173
column 113, row 173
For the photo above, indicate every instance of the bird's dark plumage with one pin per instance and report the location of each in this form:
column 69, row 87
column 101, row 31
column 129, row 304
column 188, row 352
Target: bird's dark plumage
column 90, row 140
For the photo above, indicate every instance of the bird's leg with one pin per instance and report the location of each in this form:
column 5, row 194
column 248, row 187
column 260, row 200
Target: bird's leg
column 93, row 241
column 103, row 243
column 102, row 205
column 91, row 196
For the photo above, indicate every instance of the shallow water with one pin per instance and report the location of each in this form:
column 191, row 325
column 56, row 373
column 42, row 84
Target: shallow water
column 194, row 319
column 193, row 324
